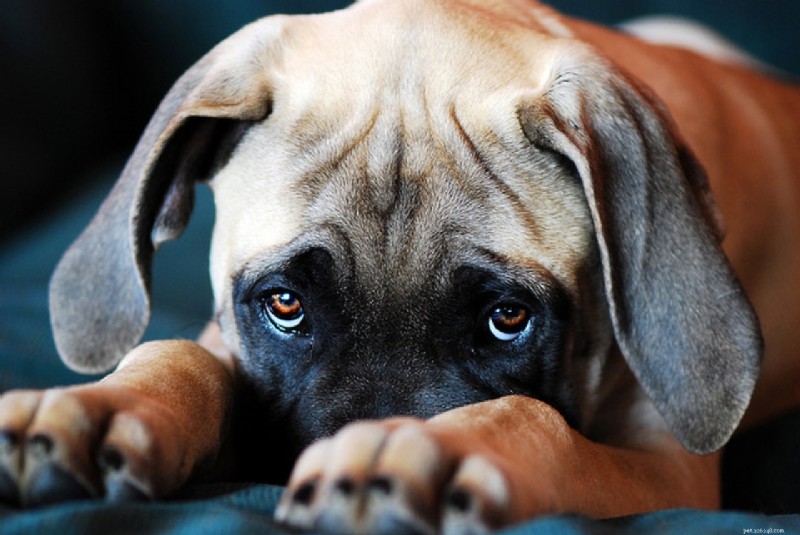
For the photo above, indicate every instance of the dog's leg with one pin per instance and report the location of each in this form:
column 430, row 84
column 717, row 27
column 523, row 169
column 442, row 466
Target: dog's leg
column 139, row 432
column 481, row 467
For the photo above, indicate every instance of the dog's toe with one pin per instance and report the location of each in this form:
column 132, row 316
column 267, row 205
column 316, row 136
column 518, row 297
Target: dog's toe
column 86, row 442
column 119, row 485
column 32, row 474
column 295, row 506
column 137, row 457
column 402, row 494
column 50, row 483
column 57, row 463
column 295, row 509
column 390, row 509
column 376, row 506
column 392, row 479
column 477, row 500
column 9, row 455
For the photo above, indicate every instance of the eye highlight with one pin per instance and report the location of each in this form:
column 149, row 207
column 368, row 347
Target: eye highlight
column 284, row 310
column 508, row 321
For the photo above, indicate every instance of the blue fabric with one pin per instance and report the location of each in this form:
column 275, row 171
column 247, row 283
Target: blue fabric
column 181, row 288
column 250, row 510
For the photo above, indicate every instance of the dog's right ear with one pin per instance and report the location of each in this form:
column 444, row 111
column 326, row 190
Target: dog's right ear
column 99, row 293
column 680, row 316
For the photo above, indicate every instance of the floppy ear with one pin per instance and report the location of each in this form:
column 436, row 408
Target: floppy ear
column 680, row 316
column 99, row 293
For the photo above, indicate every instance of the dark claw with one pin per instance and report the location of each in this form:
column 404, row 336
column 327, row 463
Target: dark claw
column 305, row 494
column 40, row 446
column 460, row 500
column 9, row 493
column 111, row 460
column 118, row 487
column 118, row 490
column 52, row 484
column 8, row 442
column 380, row 485
column 345, row 486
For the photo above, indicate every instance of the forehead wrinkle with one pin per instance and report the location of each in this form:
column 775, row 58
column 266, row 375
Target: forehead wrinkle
column 374, row 186
column 530, row 224
column 532, row 207
column 325, row 150
column 407, row 243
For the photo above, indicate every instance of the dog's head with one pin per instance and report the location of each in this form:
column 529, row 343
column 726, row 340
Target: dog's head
column 420, row 207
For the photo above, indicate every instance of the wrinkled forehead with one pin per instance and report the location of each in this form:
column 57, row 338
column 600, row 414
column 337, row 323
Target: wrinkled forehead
column 401, row 204
column 411, row 158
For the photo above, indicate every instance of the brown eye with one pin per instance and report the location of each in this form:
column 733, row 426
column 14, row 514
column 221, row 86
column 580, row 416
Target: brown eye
column 284, row 310
column 507, row 322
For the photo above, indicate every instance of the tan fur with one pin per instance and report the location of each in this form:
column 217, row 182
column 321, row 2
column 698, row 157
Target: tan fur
column 347, row 119
column 746, row 143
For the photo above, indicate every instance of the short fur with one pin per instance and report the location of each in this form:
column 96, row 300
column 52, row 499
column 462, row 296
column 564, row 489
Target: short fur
column 405, row 168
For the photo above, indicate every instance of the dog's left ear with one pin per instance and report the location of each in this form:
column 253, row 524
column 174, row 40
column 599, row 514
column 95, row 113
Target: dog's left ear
column 680, row 316
column 99, row 293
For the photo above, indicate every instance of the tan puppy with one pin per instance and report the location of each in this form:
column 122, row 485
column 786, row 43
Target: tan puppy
column 485, row 221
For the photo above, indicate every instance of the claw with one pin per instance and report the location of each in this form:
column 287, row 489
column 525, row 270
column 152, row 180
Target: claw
column 119, row 490
column 9, row 467
column 52, row 484
column 295, row 509
column 477, row 499
column 40, row 447
column 111, row 460
column 120, row 485
column 389, row 510
column 9, row 492
column 393, row 479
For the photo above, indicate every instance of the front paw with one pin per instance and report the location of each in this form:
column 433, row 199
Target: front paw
column 394, row 477
column 88, row 441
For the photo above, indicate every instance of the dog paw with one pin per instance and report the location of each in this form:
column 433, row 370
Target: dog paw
column 89, row 441
column 395, row 477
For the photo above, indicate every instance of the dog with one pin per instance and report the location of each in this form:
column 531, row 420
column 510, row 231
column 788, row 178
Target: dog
column 468, row 268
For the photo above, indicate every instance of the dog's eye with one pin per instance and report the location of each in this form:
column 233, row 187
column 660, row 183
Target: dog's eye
column 508, row 322
column 284, row 310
